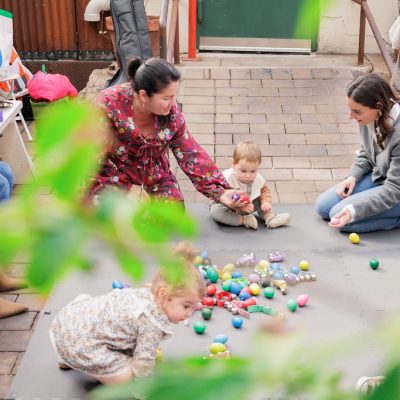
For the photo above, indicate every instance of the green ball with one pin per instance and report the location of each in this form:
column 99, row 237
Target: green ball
column 226, row 285
column 212, row 275
column 206, row 313
column 199, row 327
column 269, row 292
column 374, row 264
column 292, row 305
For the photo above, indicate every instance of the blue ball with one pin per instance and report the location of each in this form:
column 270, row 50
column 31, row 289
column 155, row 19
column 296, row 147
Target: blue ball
column 204, row 254
column 277, row 275
column 236, row 275
column 117, row 284
column 295, row 270
column 244, row 296
column 275, row 267
column 220, row 339
column 236, row 288
column 237, row 322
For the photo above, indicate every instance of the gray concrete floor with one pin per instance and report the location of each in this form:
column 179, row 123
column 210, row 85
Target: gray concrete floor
column 292, row 105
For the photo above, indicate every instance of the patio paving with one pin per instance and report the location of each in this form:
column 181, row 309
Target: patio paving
column 293, row 106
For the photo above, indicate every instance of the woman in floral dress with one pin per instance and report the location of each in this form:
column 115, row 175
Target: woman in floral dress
column 146, row 123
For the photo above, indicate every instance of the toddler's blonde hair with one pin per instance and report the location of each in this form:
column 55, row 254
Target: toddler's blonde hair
column 191, row 282
column 247, row 150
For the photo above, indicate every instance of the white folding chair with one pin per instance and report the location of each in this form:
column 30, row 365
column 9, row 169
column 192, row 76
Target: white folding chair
column 9, row 80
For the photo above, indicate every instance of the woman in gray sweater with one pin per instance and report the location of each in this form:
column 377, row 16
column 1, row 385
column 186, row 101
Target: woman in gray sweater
column 369, row 198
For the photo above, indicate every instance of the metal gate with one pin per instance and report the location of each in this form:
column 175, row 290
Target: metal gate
column 258, row 25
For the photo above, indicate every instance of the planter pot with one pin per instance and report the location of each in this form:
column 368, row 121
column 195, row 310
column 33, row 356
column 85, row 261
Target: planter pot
column 39, row 107
column 153, row 23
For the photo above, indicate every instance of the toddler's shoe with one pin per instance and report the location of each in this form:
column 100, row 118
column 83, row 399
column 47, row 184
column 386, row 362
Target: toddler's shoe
column 250, row 221
column 274, row 220
column 367, row 384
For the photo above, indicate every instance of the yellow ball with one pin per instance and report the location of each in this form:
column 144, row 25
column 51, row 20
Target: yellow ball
column 254, row 289
column 198, row 260
column 354, row 238
column 229, row 267
column 226, row 275
column 304, row 265
column 217, row 347
column 263, row 263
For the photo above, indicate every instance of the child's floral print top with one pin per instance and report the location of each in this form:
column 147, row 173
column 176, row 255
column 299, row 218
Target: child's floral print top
column 104, row 335
column 137, row 160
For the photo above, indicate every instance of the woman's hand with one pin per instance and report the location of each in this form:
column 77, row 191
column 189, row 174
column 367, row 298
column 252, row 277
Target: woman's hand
column 341, row 219
column 346, row 187
column 228, row 199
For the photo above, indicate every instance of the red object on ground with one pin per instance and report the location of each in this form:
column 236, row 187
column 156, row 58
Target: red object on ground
column 211, row 290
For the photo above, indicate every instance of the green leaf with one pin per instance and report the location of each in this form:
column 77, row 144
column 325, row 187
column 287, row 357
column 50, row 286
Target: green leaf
column 55, row 250
column 390, row 388
column 130, row 264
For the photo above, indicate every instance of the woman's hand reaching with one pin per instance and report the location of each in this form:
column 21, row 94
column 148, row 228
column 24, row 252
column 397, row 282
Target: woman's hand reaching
column 341, row 219
column 346, row 187
column 232, row 199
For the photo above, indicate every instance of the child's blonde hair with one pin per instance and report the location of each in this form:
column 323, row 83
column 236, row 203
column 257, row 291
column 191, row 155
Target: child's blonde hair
column 191, row 282
column 247, row 150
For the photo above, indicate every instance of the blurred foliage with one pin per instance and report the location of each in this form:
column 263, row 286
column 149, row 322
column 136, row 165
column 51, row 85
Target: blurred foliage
column 54, row 231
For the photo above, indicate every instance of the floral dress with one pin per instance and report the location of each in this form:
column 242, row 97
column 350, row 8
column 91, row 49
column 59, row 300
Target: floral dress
column 105, row 335
column 133, row 159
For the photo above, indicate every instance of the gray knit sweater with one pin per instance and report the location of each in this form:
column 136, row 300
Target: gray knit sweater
column 385, row 168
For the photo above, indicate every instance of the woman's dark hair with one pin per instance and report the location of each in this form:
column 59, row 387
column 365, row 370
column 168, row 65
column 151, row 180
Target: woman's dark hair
column 373, row 91
column 152, row 75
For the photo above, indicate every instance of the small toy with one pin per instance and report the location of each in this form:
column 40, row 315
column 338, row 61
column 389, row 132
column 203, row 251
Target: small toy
column 244, row 198
column 224, row 354
column 212, row 274
column 295, row 270
column 244, row 295
column 269, row 292
column 208, row 301
column 226, row 285
column 263, row 309
column 206, row 313
column 304, row 265
column 235, row 287
column 255, row 289
column 302, row 300
column 247, row 260
column 354, row 238
column 374, row 263
column 281, row 285
column 265, row 280
column 117, row 284
column 264, row 264
column 199, row 327
column 254, row 278
column 217, row 347
column 252, row 301
column 275, row 256
column 221, row 339
column 226, row 275
column 204, row 254
column 222, row 298
column 237, row 322
column 229, row 267
column 290, row 279
column 236, row 274
column 292, row 305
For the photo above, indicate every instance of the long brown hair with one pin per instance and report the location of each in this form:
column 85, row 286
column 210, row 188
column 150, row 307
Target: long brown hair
column 372, row 91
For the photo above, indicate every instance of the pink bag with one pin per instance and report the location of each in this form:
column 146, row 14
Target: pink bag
column 50, row 87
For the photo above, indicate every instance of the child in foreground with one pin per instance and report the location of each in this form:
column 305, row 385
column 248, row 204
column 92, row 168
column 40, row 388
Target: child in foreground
column 114, row 337
column 244, row 176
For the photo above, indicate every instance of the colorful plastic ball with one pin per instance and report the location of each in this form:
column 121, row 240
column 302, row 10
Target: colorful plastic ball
column 263, row 264
column 275, row 267
column 354, row 238
column 229, row 267
column 237, row 322
column 252, row 301
column 244, row 296
column 236, row 288
column 290, row 279
column 304, row 265
column 198, row 260
column 374, row 263
column 206, row 313
column 117, row 284
column 255, row 289
column 204, row 255
column 226, row 275
column 221, row 339
column 277, row 275
column 292, row 305
column 226, row 285
column 295, row 269
column 265, row 280
column 212, row 275
column 236, row 274
column 199, row 327
column 211, row 290
column 208, row 301
column 217, row 347
column 269, row 292
column 254, row 278
column 236, row 197
column 302, row 300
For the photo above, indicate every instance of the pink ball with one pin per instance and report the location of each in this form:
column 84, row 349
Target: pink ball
column 335, row 221
column 302, row 300
column 254, row 278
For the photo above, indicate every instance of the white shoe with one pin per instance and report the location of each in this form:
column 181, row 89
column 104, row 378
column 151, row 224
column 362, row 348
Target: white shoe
column 275, row 220
column 367, row 384
column 250, row 221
